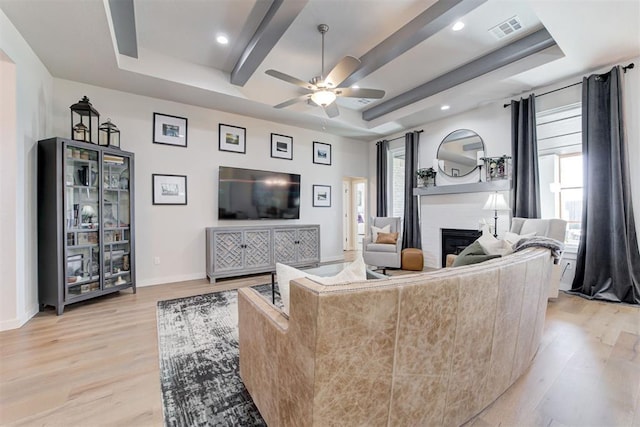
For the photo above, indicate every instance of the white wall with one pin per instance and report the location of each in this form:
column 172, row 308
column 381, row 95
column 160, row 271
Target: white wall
column 26, row 112
column 176, row 234
column 493, row 123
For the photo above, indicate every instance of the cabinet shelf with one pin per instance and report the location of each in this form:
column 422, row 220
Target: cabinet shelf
column 84, row 281
column 476, row 187
column 83, row 246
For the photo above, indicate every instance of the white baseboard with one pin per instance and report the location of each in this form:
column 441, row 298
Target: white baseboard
column 16, row 323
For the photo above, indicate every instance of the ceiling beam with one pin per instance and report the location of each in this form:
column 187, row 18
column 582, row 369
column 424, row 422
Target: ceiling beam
column 437, row 17
column 276, row 21
column 123, row 16
column 529, row 45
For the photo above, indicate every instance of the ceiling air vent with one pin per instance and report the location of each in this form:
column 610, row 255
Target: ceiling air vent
column 506, row 28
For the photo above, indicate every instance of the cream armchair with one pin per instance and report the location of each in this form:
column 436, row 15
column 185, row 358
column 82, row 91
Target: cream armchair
column 552, row 228
column 381, row 254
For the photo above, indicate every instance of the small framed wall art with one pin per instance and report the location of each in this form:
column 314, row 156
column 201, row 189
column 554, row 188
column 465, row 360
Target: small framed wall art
column 321, row 153
column 232, row 138
column 322, row 196
column 169, row 189
column 169, row 130
column 281, row 146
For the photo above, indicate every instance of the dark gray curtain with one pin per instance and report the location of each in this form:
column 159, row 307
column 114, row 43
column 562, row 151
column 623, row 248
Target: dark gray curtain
column 525, row 202
column 411, row 225
column 608, row 262
column 381, row 178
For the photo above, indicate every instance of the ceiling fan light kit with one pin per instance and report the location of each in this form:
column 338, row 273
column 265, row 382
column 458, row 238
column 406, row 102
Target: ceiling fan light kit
column 325, row 90
column 323, row 97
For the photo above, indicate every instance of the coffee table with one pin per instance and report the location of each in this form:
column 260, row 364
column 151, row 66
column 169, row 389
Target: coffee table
column 322, row 271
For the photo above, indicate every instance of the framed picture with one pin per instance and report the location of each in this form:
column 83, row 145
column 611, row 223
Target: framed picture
column 455, row 172
column 321, row 153
column 169, row 189
column 281, row 146
column 322, row 196
column 232, row 138
column 169, row 130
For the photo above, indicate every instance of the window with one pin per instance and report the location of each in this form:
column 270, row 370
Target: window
column 560, row 165
column 396, row 179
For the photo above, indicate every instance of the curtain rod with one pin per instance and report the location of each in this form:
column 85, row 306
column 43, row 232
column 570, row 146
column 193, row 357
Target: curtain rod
column 402, row 136
column 625, row 68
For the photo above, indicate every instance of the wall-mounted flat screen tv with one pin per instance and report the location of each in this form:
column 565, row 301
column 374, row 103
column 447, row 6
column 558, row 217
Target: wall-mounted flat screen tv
column 256, row 194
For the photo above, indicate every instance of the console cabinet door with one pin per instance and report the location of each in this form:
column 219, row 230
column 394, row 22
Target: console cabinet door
column 284, row 246
column 257, row 248
column 308, row 245
column 228, row 250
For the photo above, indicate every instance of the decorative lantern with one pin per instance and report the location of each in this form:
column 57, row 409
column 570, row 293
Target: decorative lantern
column 84, row 121
column 109, row 134
column 498, row 167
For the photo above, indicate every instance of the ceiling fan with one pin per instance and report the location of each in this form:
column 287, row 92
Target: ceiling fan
column 323, row 91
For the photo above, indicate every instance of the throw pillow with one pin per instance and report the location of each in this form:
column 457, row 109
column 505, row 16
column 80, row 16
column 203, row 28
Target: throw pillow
column 493, row 246
column 388, row 238
column 355, row 271
column 472, row 254
column 513, row 238
column 375, row 230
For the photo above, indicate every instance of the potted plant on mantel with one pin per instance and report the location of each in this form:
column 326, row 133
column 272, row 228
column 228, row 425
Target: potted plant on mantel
column 426, row 177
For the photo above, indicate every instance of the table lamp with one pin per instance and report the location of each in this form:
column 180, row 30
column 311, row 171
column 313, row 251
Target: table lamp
column 495, row 203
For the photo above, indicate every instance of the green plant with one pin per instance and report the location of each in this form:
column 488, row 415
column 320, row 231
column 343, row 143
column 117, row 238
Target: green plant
column 426, row 173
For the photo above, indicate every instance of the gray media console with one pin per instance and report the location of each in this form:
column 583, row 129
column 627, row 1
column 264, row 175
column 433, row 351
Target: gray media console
column 241, row 250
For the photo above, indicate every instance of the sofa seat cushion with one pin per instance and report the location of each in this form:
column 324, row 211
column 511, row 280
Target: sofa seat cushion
column 354, row 272
column 381, row 247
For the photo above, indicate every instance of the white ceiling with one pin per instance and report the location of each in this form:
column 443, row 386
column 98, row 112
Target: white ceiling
column 179, row 60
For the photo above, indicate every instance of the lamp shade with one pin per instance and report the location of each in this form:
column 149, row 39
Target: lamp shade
column 496, row 202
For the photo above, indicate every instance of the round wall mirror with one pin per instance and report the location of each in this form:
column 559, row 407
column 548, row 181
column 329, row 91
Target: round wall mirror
column 458, row 152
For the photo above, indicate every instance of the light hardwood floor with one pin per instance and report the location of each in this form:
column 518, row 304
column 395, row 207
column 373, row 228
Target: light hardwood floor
column 98, row 365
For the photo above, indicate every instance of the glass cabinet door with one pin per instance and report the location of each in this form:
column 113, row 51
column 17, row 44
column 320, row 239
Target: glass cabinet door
column 116, row 220
column 82, row 221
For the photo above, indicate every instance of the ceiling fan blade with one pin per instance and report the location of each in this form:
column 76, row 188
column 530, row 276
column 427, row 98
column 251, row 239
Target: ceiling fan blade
column 292, row 101
column 360, row 93
column 289, row 79
column 332, row 110
column 340, row 72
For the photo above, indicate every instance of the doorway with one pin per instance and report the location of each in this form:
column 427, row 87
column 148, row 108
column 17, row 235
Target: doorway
column 354, row 192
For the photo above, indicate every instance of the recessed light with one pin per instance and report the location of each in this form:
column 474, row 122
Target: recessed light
column 458, row 26
column 445, row 107
column 355, row 87
column 222, row 39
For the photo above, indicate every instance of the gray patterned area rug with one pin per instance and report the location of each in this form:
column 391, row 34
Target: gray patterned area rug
column 199, row 362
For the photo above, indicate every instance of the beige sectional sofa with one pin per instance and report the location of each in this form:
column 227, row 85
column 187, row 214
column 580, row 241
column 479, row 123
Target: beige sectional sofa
column 423, row 349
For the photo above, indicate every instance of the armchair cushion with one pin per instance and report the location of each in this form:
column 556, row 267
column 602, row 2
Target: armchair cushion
column 376, row 230
column 381, row 247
